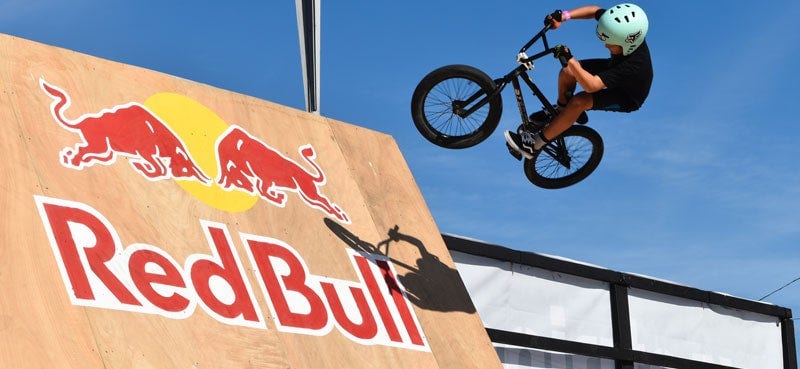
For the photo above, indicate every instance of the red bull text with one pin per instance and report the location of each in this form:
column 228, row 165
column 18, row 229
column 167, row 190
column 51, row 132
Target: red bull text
column 99, row 272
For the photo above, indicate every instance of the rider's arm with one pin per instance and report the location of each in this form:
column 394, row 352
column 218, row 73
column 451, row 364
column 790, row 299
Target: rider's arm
column 584, row 12
column 589, row 82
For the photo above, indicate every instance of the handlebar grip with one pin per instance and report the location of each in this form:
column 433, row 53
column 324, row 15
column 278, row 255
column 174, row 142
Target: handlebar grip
column 564, row 61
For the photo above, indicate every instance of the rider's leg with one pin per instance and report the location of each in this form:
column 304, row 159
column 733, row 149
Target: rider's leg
column 577, row 105
column 566, row 87
column 526, row 143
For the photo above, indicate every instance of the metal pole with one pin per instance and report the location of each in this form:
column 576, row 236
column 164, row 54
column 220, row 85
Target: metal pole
column 308, row 25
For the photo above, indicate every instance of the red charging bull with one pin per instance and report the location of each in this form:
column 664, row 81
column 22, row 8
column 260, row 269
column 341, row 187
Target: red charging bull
column 129, row 130
column 250, row 165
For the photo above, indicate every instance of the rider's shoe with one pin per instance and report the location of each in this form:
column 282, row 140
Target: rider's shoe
column 542, row 117
column 522, row 143
column 513, row 152
column 527, row 128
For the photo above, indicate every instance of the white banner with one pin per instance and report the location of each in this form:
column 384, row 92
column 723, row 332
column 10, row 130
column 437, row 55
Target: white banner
column 522, row 299
column 521, row 358
column 693, row 330
column 519, row 298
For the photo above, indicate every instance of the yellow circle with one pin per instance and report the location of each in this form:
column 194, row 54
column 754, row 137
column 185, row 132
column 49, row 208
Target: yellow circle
column 199, row 128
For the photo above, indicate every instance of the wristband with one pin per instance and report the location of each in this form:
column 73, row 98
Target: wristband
column 565, row 15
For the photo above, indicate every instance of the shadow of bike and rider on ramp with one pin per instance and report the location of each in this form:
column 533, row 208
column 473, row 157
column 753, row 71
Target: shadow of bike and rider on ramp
column 425, row 282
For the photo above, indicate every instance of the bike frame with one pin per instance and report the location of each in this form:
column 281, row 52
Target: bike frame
column 556, row 149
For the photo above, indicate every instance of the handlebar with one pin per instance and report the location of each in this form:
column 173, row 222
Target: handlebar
column 535, row 38
column 547, row 49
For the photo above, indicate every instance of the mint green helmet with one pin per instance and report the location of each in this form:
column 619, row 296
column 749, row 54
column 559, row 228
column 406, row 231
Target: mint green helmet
column 624, row 25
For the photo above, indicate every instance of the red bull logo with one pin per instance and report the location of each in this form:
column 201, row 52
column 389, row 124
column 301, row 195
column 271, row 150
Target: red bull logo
column 244, row 168
column 250, row 165
column 129, row 130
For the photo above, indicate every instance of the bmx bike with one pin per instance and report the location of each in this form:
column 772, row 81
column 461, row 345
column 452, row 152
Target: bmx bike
column 459, row 106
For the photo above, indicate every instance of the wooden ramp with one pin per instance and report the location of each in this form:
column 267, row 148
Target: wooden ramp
column 154, row 222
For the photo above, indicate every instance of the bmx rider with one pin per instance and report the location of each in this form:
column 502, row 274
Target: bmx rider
column 620, row 83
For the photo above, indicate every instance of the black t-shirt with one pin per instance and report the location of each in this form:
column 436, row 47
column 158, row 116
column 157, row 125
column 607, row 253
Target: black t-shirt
column 632, row 74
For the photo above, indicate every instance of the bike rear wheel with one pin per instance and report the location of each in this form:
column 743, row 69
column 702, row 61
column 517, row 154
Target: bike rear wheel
column 566, row 160
column 441, row 100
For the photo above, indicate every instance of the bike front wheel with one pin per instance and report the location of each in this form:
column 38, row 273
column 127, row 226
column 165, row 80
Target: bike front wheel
column 567, row 160
column 456, row 106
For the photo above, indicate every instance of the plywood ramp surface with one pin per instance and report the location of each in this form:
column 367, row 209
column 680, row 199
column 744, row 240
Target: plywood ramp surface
column 154, row 222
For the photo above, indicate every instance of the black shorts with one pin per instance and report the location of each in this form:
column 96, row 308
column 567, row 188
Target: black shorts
column 608, row 99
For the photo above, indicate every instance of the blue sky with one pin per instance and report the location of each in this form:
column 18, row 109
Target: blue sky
column 701, row 186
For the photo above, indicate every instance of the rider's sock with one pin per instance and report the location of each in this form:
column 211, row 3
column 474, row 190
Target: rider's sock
column 539, row 141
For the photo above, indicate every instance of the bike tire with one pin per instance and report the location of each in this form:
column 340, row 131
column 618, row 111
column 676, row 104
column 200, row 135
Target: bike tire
column 432, row 107
column 585, row 150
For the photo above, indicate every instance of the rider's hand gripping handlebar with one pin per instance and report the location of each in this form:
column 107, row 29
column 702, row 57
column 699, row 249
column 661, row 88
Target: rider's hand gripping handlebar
column 562, row 53
column 551, row 19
